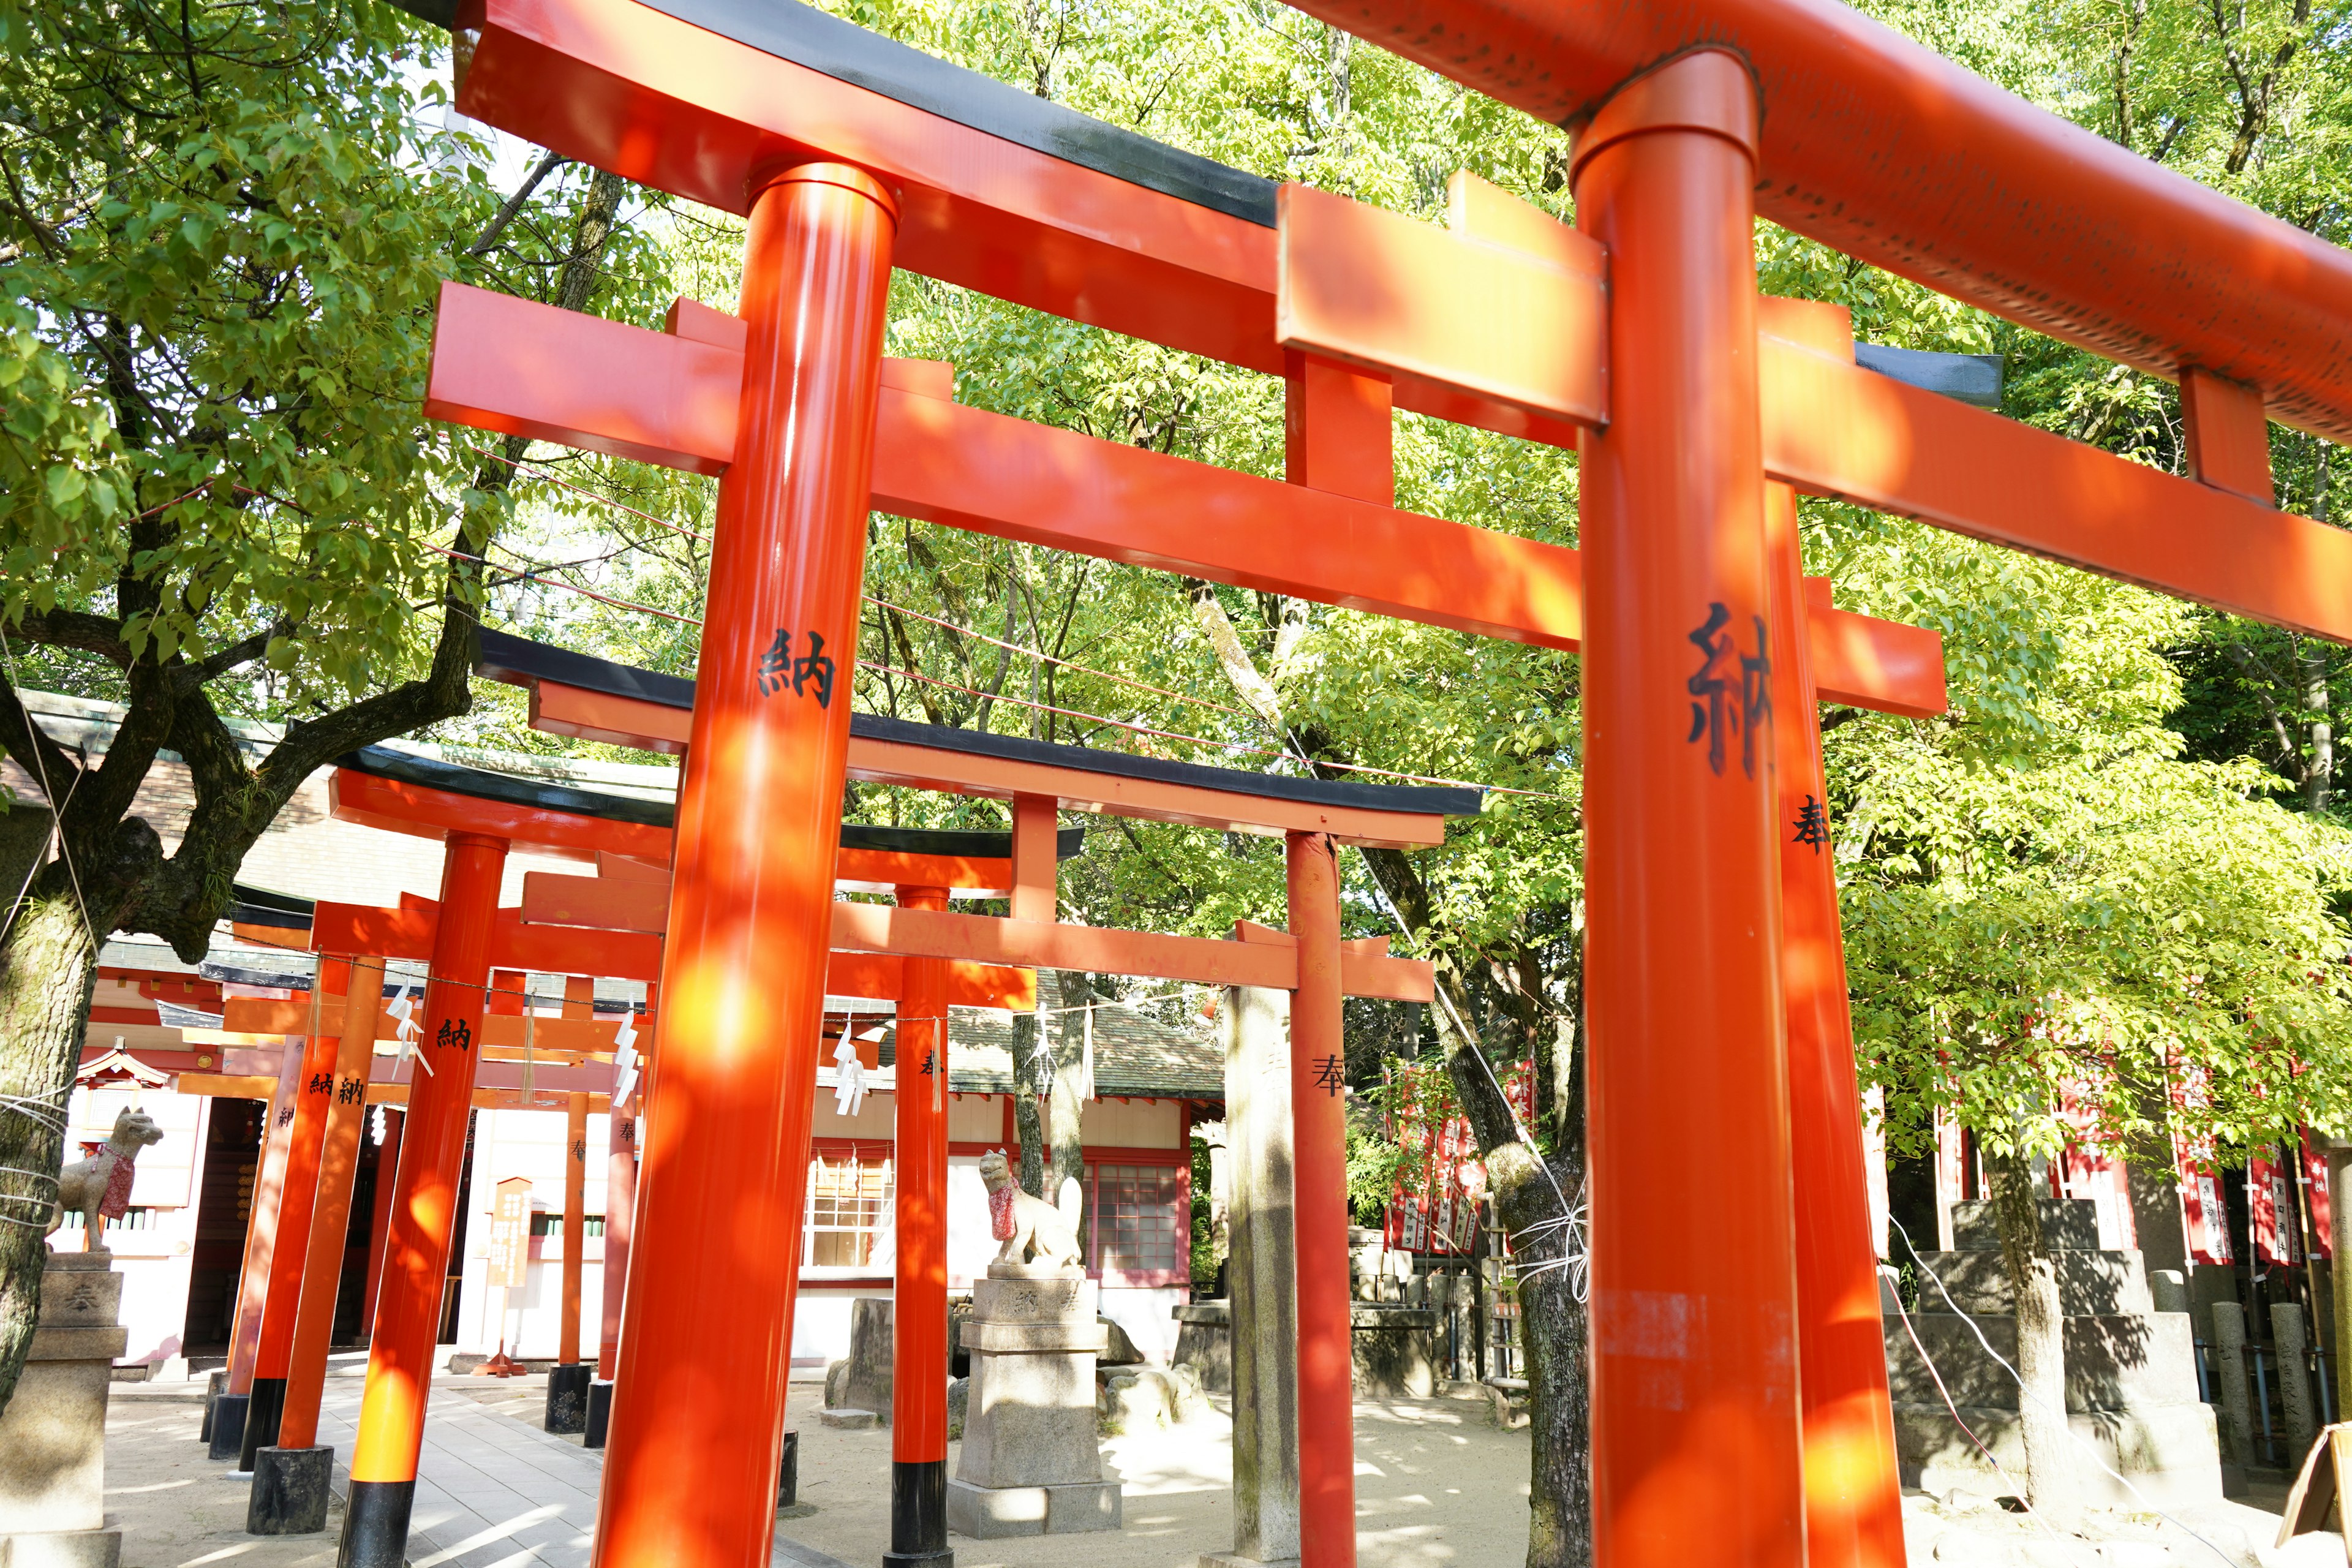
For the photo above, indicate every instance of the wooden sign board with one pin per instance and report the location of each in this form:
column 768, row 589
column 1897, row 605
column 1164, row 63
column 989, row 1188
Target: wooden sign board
column 511, row 1234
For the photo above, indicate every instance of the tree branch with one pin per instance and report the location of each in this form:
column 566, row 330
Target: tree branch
column 74, row 629
column 514, row 204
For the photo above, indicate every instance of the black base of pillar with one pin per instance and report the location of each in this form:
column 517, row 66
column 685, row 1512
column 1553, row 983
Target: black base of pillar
column 567, row 1397
column 227, row 1440
column 375, row 1525
column 214, row 1388
column 262, row 1418
column 788, row 1472
column 918, row 1515
column 600, row 1414
column 290, row 1491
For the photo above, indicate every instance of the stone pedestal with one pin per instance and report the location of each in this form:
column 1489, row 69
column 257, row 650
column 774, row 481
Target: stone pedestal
column 2131, row 1370
column 1031, row 1463
column 53, row 1435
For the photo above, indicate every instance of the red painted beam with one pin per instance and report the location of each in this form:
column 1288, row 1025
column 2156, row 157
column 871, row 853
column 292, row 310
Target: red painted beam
column 1834, row 429
column 1876, row 146
column 398, row 806
column 1269, row 960
column 965, row 467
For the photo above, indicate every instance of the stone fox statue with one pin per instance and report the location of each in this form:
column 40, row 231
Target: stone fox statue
column 1032, row 1231
column 98, row 1188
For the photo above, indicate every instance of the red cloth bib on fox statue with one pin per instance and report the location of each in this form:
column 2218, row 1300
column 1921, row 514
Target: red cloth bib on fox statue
column 1000, row 1212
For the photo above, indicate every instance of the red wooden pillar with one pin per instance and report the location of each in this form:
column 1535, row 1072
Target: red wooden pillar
column 620, row 1206
column 1696, row 1444
column 291, row 1478
column 918, row 1385
column 252, row 1278
column 1318, row 1060
column 433, row 1156
column 698, row 1398
column 567, row 1382
column 291, row 1251
column 1853, row 1502
column 387, row 1167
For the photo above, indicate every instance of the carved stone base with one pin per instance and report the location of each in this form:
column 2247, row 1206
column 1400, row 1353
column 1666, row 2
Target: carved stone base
column 65, row 1549
column 993, row 1513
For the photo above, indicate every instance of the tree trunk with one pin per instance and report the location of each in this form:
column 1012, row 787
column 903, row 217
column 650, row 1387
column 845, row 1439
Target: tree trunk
column 1066, row 1179
column 2040, row 1340
column 1554, row 1327
column 2320, row 780
column 49, row 967
column 1028, row 1124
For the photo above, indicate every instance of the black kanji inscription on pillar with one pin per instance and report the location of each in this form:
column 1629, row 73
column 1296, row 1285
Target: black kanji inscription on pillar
column 1328, row 1076
column 1732, row 692
column 455, row 1033
column 1813, row 824
column 776, row 664
column 814, row 667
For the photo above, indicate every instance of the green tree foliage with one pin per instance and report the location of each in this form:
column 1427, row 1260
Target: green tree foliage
column 222, row 230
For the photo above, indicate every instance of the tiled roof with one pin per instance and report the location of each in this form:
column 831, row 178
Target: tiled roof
column 1134, row 1055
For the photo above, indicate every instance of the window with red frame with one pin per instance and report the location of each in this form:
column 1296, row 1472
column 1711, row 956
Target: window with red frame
column 1138, row 1236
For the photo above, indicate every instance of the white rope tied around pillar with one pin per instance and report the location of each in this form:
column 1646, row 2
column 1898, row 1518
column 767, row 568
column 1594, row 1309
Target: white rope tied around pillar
column 2024, row 1393
column 50, row 1117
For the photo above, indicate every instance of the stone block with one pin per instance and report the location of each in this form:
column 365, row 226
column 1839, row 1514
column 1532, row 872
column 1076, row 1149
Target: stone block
column 99, row 1548
column 2123, row 1362
column 993, row 1513
column 1394, row 1351
column 1052, row 1299
column 847, row 1420
column 871, row 1349
column 53, row 1433
column 1030, row 1421
column 1205, row 1342
column 78, row 1294
column 1119, row 1347
column 1028, row 1339
column 2171, row 1453
column 2066, row 1224
column 290, row 1491
column 1134, row 1399
column 213, row 1385
column 958, row 1402
column 2168, row 1290
column 1076, row 1509
column 1235, row 1559
column 836, row 1382
column 2090, row 1283
column 567, row 1397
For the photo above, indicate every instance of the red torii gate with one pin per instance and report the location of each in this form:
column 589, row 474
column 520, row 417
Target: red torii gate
column 400, row 792
column 612, row 922
column 696, row 98
column 670, row 401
